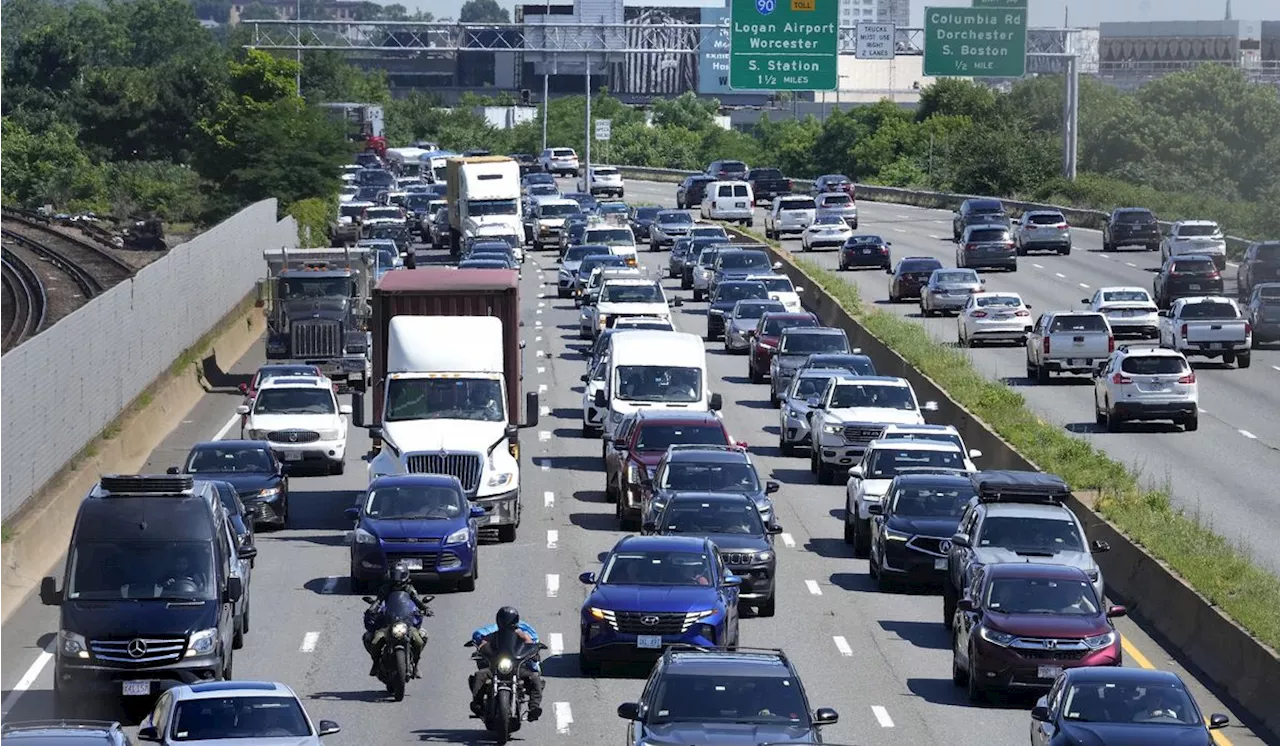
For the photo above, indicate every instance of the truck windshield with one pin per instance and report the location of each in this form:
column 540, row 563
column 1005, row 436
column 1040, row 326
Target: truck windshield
column 294, row 401
column 659, row 383
column 315, row 287
column 445, row 399
column 103, row 570
column 481, row 207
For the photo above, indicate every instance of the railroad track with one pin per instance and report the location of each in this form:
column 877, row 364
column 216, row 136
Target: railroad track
column 92, row 268
column 28, row 300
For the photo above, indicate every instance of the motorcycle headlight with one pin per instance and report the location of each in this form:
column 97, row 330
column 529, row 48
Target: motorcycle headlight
column 202, row 642
column 995, row 637
column 506, row 665
column 399, row 629
column 364, row 537
column 72, row 644
column 458, row 537
column 1101, row 641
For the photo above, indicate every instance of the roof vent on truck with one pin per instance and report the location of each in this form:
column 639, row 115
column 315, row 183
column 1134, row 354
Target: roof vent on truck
column 119, row 485
column 1020, row 487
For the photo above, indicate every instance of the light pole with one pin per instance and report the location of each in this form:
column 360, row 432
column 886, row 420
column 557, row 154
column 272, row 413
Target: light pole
column 546, row 87
column 586, row 168
column 298, row 76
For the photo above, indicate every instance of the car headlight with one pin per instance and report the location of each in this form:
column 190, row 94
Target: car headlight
column 833, row 429
column 767, row 345
column 795, row 414
column 615, row 417
column 364, row 537
column 634, row 473
column 399, row 629
column 694, row 616
column 268, row 493
column 458, row 537
column 995, row 637
column 332, row 434
column 501, row 478
column 764, row 556
column 891, row 535
column 202, row 642
column 506, row 665
column 72, row 644
column 1101, row 641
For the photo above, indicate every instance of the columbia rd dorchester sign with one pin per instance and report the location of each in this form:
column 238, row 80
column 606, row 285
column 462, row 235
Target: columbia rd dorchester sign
column 784, row 45
column 979, row 42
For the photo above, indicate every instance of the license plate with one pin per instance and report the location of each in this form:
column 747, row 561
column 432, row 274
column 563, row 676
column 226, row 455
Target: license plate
column 1215, row 346
column 1193, row 287
column 940, row 563
column 1048, row 672
column 649, row 642
column 1077, row 363
column 136, row 688
column 740, row 204
column 412, row 564
column 293, row 455
column 866, row 251
column 1002, row 317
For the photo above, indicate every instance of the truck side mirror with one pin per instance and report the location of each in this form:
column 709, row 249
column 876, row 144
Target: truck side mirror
column 49, row 595
column 531, row 410
column 716, row 403
column 357, row 409
column 261, row 291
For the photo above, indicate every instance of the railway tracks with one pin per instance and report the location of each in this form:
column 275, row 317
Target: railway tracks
column 27, row 300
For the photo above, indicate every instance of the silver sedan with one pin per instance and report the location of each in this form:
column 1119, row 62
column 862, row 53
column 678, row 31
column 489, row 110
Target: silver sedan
column 948, row 290
column 744, row 319
column 793, row 415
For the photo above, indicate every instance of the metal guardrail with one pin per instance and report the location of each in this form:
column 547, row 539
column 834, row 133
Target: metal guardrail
column 1080, row 217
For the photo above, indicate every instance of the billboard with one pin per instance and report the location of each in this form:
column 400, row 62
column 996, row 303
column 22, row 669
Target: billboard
column 713, row 55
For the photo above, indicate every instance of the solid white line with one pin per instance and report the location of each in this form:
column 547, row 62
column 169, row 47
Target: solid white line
column 553, row 585
column 330, row 583
column 548, row 499
column 1037, row 266
column 544, row 435
column 1086, row 287
column 230, row 424
column 812, row 585
column 1248, row 435
column 26, row 681
column 902, row 217
column 553, row 538
column 901, row 230
column 557, row 643
column 1131, row 264
column 309, row 641
column 1059, row 274
column 788, row 541
column 564, row 717
column 843, row 645
column 935, row 237
column 882, row 716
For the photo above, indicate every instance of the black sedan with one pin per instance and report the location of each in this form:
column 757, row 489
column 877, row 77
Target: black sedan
column 910, row 277
column 641, row 220
column 252, row 468
column 865, row 251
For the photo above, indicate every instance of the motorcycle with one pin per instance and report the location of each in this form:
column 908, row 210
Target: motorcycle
column 397, row 614
column 506, row 699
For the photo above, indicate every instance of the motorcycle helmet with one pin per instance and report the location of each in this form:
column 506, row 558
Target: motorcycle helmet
column 508, row 617
column 399, row 575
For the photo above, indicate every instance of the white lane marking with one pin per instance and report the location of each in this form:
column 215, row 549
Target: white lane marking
column 230, row 423
column 542, row 353
column 548, row 499
column 564, row 717
column 882, row 716
column 544, row 435
column 812, row 585
column 1059, row 274
column 537, row 339
column 26, row 681
column 542, row 304
column 843, row 645
column 1248, row 435
column 553, row 585
column 542, row 388
column 538, row 324
column 1202, row 410
column 309, row 641
column 557, row 643
column 1104, row 256
column 545, row 465
column 901, row 230
column 1232, row 264
column 935, row 236
column 541, row 369
column 788, row 541
column 902, row 217
column 330, row 583
column 537, row 310
column 544, row 411
column 1131, row 264
column 1037, row 266
column 1081, row 284
column 553, row 537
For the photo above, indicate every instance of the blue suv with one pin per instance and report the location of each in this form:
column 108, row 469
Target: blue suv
column 656, row 591
column 724, row 698
column 421, row 520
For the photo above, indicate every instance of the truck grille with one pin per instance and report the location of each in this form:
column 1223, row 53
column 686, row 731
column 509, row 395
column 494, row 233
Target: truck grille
column 293, row 436
column 465, row 466
column 863, row 434
column 634, row 623
column 142, row 651
column 316, row 339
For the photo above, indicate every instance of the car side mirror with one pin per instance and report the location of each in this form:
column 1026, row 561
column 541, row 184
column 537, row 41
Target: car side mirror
column 242, row 409
column 629, row 710
column 532, row 410
column 960, row 540
column 649, row 527
column 352, row 514
column 825, row 716
column 771, row 487
column 1084, row 301
column 930, row 406
column 585, row 377
column 716, row 403
column 328, row 727
column 600, row 399
column 369, row 600
column 975, row 453
column 344, row 409
column 773, row 529
column 587, row 578
column 678, row 302
column 731, row 581
column 855, row 471
column 777, row 265
column 1040, row 712
column 476, row 511
column 148, row 733
column 49, row 595
column 235, row 590
column 357, row 409
column 1100, row 546
column 173, row 470
column 1162, row 314
column 966, row 604
column 247, row 552
column 244, row 388
column 1218, row 720
column 875, row 509
column 1029, row 306
column 1117, row 611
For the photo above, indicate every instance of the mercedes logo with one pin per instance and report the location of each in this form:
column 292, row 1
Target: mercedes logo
column 293, row 437
column 944, row 546
column 137, row 648
column 649, row 621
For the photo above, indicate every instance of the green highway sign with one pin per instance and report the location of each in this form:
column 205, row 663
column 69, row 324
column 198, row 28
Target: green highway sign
column 784, row 45
column 975, row 42
column 1000, row 4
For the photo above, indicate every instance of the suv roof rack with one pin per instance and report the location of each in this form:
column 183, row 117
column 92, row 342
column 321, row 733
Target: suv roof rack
column 674, row 447
column 9, row 727
column 119, row 485
column 689, row 648
column 1020, row 487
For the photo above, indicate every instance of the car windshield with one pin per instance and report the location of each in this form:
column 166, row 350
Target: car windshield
column 931, row 501
column 806, row 344
column 1041, row 596
column 656, row 437
column 1126, row 296
column 743, row 260
column 1135, row 216
column 408, row 502
column 1080, row 323
column 696, row 517
column 1030, row 535
column 940, row 436
column 1209, row 311
column 593, row 261
column 707, row 257
column 578, row 253
column 618, row 293
column 675, row 217
column 729, row 292
column 1149, row 703
column 1268, row 252
column 851, row 395
column 563, row 153
column 985, row 208
column 559, row 210
column 614, row 208
column 654, row 383
column 218, row 718
column 445, row 399
column 268, row 373
column 711, row 476
column 102, row 570
column 1198, row 230
column 230, row 460
column 774, row 327
column 777, row 284
column 836, row 200
column 887, row 463
column 294, row 401
column 610, row 236
column 970, row 278
column 808, row 386
column 1269, row 292
column 988, row 235
column 484, row 264
column 742, row 700
column 871, row 240
column 1008, row 301
column 1154, row 365
column 919, row 266
column 1045, row 218
column 749, row 310
column 657, row 567
column 705, row 231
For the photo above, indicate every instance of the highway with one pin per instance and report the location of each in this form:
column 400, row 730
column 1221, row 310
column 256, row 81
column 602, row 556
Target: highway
column 881, row 659
column 1218, row 472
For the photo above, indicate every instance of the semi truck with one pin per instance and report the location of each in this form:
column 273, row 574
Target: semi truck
column 317, row 307
column 483, row 191
column 447, row 384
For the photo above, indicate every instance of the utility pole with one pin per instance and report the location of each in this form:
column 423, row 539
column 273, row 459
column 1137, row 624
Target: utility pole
column 546, row 86
column 298, row 77
column 1071, row 113
column 586, row 166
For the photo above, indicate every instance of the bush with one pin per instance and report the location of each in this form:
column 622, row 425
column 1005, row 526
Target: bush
column 170, row 191
column 314, row 216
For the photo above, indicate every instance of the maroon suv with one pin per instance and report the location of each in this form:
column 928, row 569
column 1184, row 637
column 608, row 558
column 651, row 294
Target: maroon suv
column 639, row 444
column 1022, row 623
column 764, row 340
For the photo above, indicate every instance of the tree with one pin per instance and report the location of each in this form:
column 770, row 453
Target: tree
column 958, row 97
column 483, row 11
column 50, row 167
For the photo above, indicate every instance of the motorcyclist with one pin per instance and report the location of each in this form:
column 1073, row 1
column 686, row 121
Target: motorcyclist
column 507, row 618
column 397, row 580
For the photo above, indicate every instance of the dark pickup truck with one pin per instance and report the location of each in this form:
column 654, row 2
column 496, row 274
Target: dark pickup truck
column 767, row 183
column 1131, row 226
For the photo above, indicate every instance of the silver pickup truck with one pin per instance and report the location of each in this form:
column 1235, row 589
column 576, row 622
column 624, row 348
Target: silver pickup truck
column 1068, row 342
column 1210, row 326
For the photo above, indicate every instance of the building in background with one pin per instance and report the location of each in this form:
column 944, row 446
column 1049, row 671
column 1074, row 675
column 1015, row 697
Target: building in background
column 897, row 12
column 1130, row 54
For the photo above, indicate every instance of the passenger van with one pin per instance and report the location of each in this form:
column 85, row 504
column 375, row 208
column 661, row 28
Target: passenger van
column 148, row 595
column 655, row 370
column 729, row 200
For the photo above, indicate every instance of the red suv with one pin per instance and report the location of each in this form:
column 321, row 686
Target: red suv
column 764, row 340
column 1021, row 624
column 641, row 440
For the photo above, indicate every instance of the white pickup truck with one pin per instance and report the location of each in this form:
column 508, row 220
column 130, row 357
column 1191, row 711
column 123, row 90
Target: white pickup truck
column 1210, row 326
column 1203, row 237
column 1068, row 342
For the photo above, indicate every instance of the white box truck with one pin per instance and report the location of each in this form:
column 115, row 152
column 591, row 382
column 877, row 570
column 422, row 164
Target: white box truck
column 483, row 191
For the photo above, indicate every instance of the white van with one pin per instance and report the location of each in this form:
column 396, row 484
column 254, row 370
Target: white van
column 729, row 200
column 655, row 370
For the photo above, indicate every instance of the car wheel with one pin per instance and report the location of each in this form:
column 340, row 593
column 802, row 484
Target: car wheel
column 1099, row 417
column 506, row 534
column 1042, row 375
column 1192, row 423
column 785, row 448
column 976, row 691
column 826, row 474
column 959, row 676
column 1244, row 359
column 768, row 608
column 948, row 604
column 468, row 584
column 754, row 375
column 861, row 538
column 237, row 637
column 1114, row 421
column 587, row 665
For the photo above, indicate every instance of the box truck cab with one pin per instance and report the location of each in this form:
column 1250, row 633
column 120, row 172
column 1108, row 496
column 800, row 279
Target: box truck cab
column 484, row 193
column 655, row 370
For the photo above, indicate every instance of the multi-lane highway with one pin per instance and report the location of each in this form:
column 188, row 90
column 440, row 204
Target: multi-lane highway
column 881, row 659
column 1220, row 472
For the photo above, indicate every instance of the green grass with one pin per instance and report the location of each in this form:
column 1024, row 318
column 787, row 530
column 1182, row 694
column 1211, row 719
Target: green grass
column 6, row 534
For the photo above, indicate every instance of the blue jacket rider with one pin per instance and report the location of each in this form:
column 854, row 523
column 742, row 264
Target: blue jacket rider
column 507, row 617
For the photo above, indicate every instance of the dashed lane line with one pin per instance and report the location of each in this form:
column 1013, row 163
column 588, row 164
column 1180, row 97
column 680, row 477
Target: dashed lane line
column 544, row 435
column 1248, row 435
column 548, row 499
column 544, row 411
column 1060, row 275
column 1081, row 284
column 541, row 369
column 553, row 585
column 553, row 538
column 556, row 643
column 788, row 541
column 1037, row 266
column 1131, row 264
column 564, row 717
column 309, row 641
column 542, row 388
column 812, row 585
column 843, row 646
column 882, row 716
column 26, row 681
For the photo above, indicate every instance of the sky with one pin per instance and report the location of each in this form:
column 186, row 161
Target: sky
column 1043, row 12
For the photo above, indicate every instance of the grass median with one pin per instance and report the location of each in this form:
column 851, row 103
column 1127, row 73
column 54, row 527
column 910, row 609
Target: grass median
column 1225, row 574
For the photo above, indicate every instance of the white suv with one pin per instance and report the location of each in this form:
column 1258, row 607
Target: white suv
column 302, row 419
column 559, row 161
column 1146, row 383
column 605, row 180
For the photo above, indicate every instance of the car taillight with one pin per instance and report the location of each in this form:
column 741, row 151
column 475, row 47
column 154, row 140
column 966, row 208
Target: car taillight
column 1184, row 330
column 1248, row 328
column 1111, row 344
column 884, row 249
column 979, row 314
column 1215, row 275
column 970, row 246
column 1045, row 345
column 1121, row 378
column 791, row 185
column 1023, row 313
column 1188, row 378
column 1062, row 225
